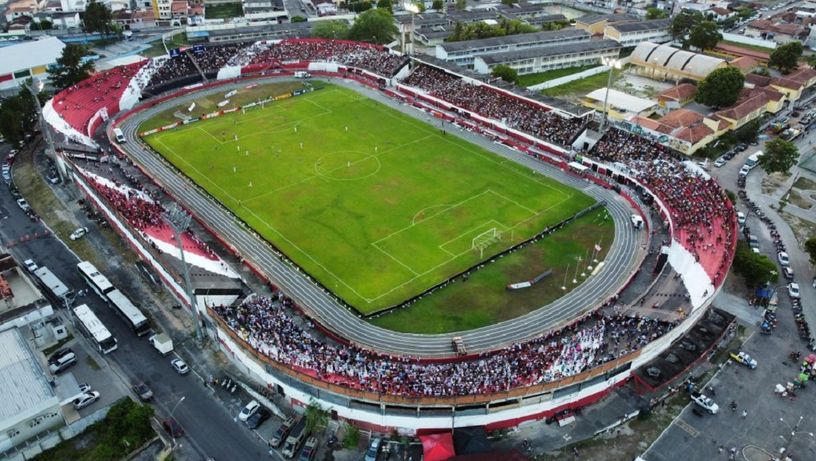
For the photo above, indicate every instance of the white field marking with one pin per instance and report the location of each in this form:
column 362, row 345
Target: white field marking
column 397, row 261
column 414, row 219
column 497, row 225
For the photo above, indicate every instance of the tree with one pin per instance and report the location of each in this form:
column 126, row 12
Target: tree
column 757, row 269
column 705, row 35
column 786, row 57
column 460, row 5
column 385, row 4
column 420, row 6
column 375, row 26
column 45, row 25
column 747, row 133
column 780, row 156
column 438, row 5
column 810, row 247
column 656, row 13
column 505, row 72
column 315, row 416
column 17, row 116
column 721, row 88
column 480, row 29
column 330, row 29
column 97, row 18
column 70, row 67
column 298, row 19
column 359, row 7
column 683, row 23
column 509, row 2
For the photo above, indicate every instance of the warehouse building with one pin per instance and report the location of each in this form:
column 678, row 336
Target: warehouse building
column 542, row 59
column 463, row 53
column 28, row 59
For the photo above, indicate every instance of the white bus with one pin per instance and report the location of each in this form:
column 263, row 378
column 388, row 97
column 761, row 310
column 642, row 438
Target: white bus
column 95, row 330
column 129, row 312
column 100, row 284
column 55, row 287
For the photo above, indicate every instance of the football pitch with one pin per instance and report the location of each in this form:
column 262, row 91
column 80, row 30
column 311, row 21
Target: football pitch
column 376, row 205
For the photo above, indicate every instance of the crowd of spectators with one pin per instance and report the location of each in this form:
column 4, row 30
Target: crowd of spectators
column 212, row 58
column 267, row 326
column 245, row 55
column 369, row 57
column 513, row 111
column 171, row 69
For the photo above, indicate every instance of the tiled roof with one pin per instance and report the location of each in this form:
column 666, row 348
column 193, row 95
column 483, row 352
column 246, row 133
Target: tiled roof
column 757, row 80
column 694, row 134
column 680, row 92
column 681, row 118
column 744, row 63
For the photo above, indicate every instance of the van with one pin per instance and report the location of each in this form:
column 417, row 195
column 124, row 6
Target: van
column 740, row 218
column 373, row 449
column 753, row 242
column 61, row 361
column 120, row 137
column 295, row 439
column 753, row 160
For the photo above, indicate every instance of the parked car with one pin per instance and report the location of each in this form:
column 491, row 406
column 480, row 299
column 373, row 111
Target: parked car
column 793, row 290
column 180, row 367
column 61, row 360
column 21, row 202
column 86, row 399
column 309, row 450
column 142, row 391
column 249, row 410
column 783, row 258
column 720, row 161
column 373, row 449
column 741, row 218
column 744, row 170
column 30, row 265
column 705, row 403
column 78, row 233
column 283, row 430
column 744, row 359
column 173, row 428
column 255, row 421
column 787, row 272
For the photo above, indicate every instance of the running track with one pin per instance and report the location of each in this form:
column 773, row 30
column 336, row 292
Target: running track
column 624, row 257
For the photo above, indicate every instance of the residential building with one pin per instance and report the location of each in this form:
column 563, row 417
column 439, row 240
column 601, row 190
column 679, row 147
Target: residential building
column 463, row 53
column 753, row 102
column 683, row 130
column 779, row 32
column 23, row 8
column 795, row 83
column 541, row 59
column 629, row 34
column 719, row 14
column 28, row 59
column 134, row 20
column 162, row 10
column 676, row 96
column 73, row 5
column 664, row 62
column 28, row 403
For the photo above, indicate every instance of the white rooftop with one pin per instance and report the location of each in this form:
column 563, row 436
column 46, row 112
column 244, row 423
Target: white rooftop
column 622, row 100
column 22, row 380
column 30, row 54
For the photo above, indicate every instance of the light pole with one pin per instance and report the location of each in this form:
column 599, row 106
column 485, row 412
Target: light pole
column 612, row 63
column 795, row 430
column 413, row 9
column 172, row 432
column 179, row 221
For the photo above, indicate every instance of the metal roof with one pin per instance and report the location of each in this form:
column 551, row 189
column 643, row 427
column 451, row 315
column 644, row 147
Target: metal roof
column 520, row 39
column 676, row 59
column 640, row 26
column 611, row 17
column 29, row 54
column 552, row 50
column 22, row 381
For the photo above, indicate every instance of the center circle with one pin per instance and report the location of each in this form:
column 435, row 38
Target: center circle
column 347, row 165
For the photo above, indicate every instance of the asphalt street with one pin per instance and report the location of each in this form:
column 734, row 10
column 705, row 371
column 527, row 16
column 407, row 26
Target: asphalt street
column 210, row 429
column 622, row 260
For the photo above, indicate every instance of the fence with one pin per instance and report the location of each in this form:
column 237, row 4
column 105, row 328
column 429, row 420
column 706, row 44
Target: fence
column 572, row 77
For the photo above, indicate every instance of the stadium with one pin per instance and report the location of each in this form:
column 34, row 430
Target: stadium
column 363, row 185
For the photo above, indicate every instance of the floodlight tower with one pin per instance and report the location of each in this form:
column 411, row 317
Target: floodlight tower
column 414, row 10
column 612, row 63
column 179, row 221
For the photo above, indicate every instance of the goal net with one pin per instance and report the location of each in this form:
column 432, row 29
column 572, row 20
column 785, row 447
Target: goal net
column 485, row 239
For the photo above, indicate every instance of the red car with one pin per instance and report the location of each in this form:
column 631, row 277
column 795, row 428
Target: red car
column 172, row 427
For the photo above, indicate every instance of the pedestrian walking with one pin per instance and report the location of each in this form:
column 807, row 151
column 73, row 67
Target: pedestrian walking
column 744, row 413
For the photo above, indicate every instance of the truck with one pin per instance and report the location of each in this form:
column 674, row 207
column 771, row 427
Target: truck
column 162, row 343
column 704, row 402
column 54, row 286
column 296, row 438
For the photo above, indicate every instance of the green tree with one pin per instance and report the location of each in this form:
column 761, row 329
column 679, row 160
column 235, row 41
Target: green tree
column 810, row 247
column 71, row 67
column 509, row 2
column 97, row 18
column 744, row 12
column 420, row 6
column 315, row 416
column 780, row 156
column 298, row 19
column 438, row 5
column 45, row 25
column 330, row 29
column 656, row 13
column 352, row 436
column 705, row 35
column 359, row 7
column 480, row 29
column 460, row 5
column 747, row 133
column 505, row 72
column 786, row 57
column 17, row 116
column 721, row 88
column 375, row 26
column 683, row 23
column 385, row 4
column 757, row 269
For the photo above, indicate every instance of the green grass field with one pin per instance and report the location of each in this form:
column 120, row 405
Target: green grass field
column 377, row 205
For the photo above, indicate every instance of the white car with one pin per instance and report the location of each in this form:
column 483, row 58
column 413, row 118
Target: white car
column 705, row 403
column 783, row 258
column 78, row 233
column 720, row 162
column 740, row 218
column 793, row 290
column 180, row 367
column 744, row 170
column 21, row 202
column 249, row 410
column 86, row 399
column 30, row 265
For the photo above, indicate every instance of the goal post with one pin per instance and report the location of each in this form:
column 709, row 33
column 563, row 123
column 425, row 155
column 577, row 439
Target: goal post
column 484, row 240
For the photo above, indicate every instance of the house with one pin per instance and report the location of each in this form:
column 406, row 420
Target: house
column 778, row 32
column 745, row 64
column 795, row 83
column 22, row 8
column 664, row 62
column 629, row 34
column 683, row 130
column 718, row 14
column 752, row 103
column 677, row 96
column 59, row 19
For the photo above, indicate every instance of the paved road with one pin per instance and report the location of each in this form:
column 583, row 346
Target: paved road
column 622, row 260
column 210, row 429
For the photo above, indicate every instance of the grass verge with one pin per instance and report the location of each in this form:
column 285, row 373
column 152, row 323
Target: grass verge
column 534, row 79
column 583, row 86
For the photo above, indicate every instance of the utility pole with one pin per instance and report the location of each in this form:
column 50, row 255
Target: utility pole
column 179, row 221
